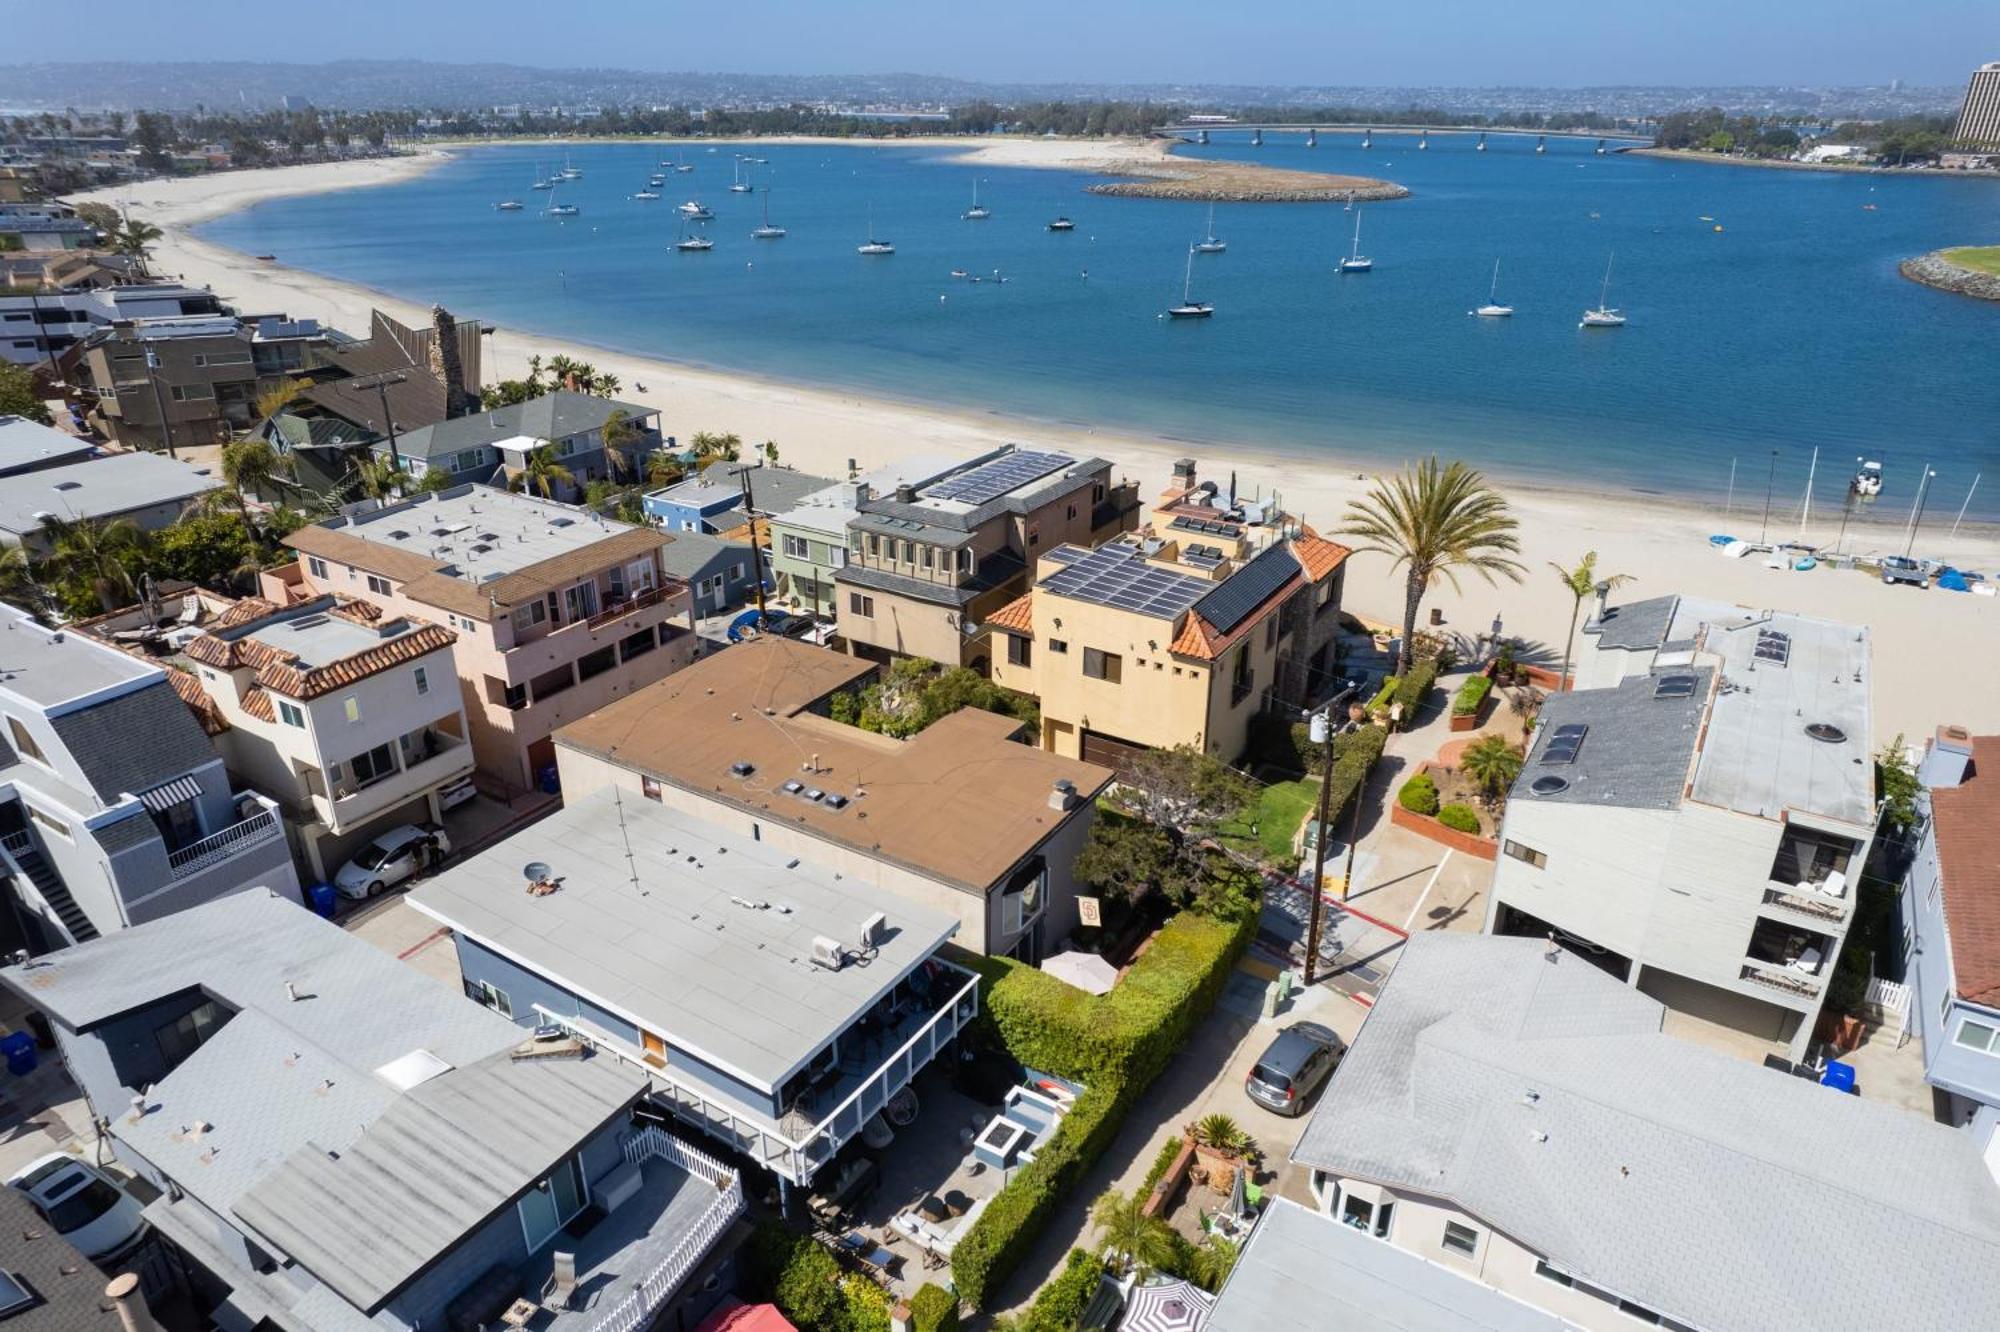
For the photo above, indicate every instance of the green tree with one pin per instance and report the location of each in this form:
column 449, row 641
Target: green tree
column 1434, row 521
column 1211, row 1263
column 247, row 465
column 663, row 469
column 377, row 477
column 1897, row 786
column 711, row 447
column 1719, row 142
column 102, row 216
column 544, row 472
column 152, row 135
column 1493, row 763
column 434, row 478
column 19, row 585
column 91, row 562
column 135, row 238
column 278, row 397
column 1173, row 807
column 619, row 435
column 215, row 549
column 770, row 450
column 18, row 395
column 1127, row 1236
column 1580, row 582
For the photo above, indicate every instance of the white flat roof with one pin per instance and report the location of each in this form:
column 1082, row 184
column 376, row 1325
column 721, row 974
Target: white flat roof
column 51, row 667
column 25, row 443
column 483, row 531
column 99, row 488
column 320, row 639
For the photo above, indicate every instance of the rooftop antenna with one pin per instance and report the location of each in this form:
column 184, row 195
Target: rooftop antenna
column 625, row 835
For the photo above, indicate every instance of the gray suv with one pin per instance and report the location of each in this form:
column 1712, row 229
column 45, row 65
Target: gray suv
column 1293, row 1067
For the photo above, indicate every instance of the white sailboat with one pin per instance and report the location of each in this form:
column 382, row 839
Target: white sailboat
column 976, row 213
column 1604, row 316
column 872, row 245
column 1212, row 243
column 559, row 209
column 740, row 185
column 1189, row 308
column 1355, row 261
column 767, row 231
column 542, row 182
column 569, row 171
column 683, row 167
column 1493, row 309
column 691, row 244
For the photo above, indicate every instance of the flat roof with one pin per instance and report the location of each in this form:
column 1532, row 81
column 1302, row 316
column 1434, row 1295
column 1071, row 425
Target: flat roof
column 771, row 488
column 1117, row 574
column 1635, row 747
column 830, row 510
column 25, row 443
column 52, row 667
column 687, row 929
column 960, row 801
column 965, row 495
column 103, row 487
column 321, row 640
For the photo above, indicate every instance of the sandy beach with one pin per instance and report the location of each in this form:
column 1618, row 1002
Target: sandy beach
column 1934, row 650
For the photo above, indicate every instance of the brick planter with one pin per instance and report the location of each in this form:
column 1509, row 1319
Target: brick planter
column 1472, row 721
column 1470, row 844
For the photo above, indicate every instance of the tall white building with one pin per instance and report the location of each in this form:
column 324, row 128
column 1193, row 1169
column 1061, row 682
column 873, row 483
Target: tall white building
column 1979, row 117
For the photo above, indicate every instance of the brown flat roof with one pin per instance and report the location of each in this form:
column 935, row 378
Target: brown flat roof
column 960, row 801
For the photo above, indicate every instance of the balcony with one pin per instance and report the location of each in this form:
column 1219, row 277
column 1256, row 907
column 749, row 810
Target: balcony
column 818, row 1125
column 252, row 834
column 1785, row 980
column 1810, row 859
column 617, row 611
column 449, row 757
column 1806, row 908
column 1790, row 960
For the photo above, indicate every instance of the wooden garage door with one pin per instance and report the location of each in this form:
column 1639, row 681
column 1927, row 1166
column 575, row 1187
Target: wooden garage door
column 1110, row 752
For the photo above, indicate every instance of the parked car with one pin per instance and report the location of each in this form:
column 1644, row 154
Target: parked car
column 453, row 794
column 1288, row 1073
column 788, row 626
column 1903, row 569
column 391, row 858
column 84, row 1206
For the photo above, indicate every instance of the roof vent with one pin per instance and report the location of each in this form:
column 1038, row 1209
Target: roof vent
column 834, row 800
column 1826, row 732
column 741, row 769
column 1550, row 785
column 794, row 787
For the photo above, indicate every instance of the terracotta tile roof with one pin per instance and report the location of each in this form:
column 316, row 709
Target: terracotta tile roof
column 244, row 611
column 199, row 703
column 281, row 673
column 1017, row 615
column 1196, row 639
column 1203, row 641
column 1967, row 820
column 1317, row 555
column 257, row 703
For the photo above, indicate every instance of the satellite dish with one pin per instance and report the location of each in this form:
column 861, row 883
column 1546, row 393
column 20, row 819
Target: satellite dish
column 536, row 871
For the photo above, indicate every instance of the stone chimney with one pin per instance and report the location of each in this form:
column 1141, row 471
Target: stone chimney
column 445, row 364
column 130, row 1304
column 1184, row 474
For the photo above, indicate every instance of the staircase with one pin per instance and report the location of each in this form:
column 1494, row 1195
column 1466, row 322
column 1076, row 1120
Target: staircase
column 50, row 885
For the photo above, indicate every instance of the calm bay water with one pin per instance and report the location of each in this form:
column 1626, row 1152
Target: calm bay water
column 1787, row 329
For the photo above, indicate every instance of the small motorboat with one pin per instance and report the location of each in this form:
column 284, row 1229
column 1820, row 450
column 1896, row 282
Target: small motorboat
column 1062, row 224
column 646, row 194
column 508, row 206
column 1867, row 482
column 960, row 273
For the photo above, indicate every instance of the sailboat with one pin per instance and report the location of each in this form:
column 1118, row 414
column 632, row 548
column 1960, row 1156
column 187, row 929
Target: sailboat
column 542, row 182
column 1493, row 309
column 767, row 231
column 656, row 180
column 1355, row 261
column 559, row 209
column 690, row 244
column 1604, row 316
column 873, row 246
column 740, row 185
column 1212, row 244
column 977, row 213
column 1189, row 308
column 683, row 167
column 570, row 172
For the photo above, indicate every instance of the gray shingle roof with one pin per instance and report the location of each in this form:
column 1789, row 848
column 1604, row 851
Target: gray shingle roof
column 551, row 416
column 691, row 553
column 774, row 489
column 69, row 1286
column 1637, row 752
column 98, row 488
column 1636, row 625
column 1541, row 1097
column 103, row 739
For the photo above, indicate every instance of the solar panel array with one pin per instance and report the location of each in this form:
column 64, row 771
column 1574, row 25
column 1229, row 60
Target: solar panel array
column 1774, row 646
column 1674, row 686
column 1187, row 524
column 1248, row 588
column 1118, row 575
column 1206, row 557
column 1564, row 743
column 989, row 481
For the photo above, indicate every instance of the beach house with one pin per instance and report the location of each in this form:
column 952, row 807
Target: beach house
column 557, row 610
column 808, row 541
column 194, row 377
column 711, row 501
column 1695, row 815
column 492, row 445
column 148, row 490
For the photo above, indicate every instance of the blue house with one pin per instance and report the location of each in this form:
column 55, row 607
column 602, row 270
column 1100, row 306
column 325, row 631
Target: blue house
column 721, row 575
column 1950, row 907
column 712, row 500
column 339, row 1143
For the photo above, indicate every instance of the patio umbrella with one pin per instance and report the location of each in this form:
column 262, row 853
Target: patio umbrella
column 1086, row 971
column 1170, row 1306
column 1239, row 1201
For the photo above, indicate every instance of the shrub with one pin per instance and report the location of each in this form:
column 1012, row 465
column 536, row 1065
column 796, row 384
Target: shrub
column 1470, row 695
column 932, row 1309
column 1170, row 1151
column 1415, row 687
column 1062, row 1301
column 864, row 1306
column 800, row 1278
column 1459, row 818
column 1419, row 795
column 1381, row 700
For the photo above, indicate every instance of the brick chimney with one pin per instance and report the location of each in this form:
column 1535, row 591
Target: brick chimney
column 445, row 364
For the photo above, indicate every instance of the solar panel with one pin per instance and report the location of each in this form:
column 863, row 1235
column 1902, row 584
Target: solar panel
column 1774, row 646
column 1674, row 686
column 1245, row 590
column 991, row 480
column 1118, row 575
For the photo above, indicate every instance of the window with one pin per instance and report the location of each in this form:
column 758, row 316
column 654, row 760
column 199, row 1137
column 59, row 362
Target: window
column 909, row 552
column 372, row 765
column 1072, row 513
column 1021, row 899
column 423, row 679
column 930, row 557
column 649, row 786
column 528, row 616
column 1364, row 1216
column 491, row 995
column 1102, row 665
column 514, row 696
column 597, row 663
column 736, row 572
column 15, row 1295
column 1638, row 1311
column 1547, row 1273
column 1460, row 1239
column 23, row 742
column 315, row 566
column 965, row 559
column 580, row 602
column 1518, row 851
column 379, row 586
column 352, row 707
column 1020, row 651
column 1981, row 1036
column 1241, row 678
column 874, row 544
column 633, row 644
column 565, row 448
column 1058, row 645
column 861, row 604
column 184, row 1035
column 555, row 609
column 290, row 714
column 192, row 393
column 796, row 547
column 54, row 825
column 1271, row 632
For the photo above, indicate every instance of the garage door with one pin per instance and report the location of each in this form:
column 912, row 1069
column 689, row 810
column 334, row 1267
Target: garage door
column 1724, row 1008
column 1110, row 752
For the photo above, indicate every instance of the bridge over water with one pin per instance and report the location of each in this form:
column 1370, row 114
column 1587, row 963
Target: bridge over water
column 1198, row 131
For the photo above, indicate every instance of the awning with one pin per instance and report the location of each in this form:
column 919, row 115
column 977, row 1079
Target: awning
column 168, row 794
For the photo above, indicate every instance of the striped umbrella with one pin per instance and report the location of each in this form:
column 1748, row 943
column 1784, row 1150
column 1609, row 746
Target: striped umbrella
column 1169, row 1306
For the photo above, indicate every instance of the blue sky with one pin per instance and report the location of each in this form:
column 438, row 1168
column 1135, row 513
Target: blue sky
column 1443, row 42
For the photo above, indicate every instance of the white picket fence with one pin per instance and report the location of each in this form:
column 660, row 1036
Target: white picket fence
column 637, row 1309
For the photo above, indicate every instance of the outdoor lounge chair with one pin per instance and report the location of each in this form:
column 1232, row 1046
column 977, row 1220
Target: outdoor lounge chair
column 560, row 1288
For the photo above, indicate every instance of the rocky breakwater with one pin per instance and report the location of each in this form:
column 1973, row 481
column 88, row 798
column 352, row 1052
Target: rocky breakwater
column 1242, row 182
column 1937, row 269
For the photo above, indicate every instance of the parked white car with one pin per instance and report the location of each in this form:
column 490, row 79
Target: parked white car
column 84, row 1206
column 392, row 857
column 453, row 794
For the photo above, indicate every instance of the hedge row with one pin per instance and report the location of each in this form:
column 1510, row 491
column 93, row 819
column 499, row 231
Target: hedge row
column 1470, row 695
column 1415, row 687
column 932, row 1309
column 1062, row 1302
column 1115, row 1044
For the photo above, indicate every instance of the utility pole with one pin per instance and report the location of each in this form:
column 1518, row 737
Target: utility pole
column 159, row 400
column 1322, row 735
column 756, row 550
column 1917, row 521
column 380, row 383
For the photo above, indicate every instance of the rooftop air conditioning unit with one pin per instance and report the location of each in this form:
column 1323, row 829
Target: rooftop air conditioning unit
column 873, row 929
column 828, row 953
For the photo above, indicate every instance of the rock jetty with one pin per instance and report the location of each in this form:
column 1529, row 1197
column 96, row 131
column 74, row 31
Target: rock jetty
column 1937, row 270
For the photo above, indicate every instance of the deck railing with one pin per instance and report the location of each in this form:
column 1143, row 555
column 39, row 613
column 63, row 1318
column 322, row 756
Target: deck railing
column 218, row 847
column 1820, row 909
column 1772, row 976
column 637, row 1309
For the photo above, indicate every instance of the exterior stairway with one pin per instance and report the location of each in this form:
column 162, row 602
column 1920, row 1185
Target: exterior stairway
column 50, row 885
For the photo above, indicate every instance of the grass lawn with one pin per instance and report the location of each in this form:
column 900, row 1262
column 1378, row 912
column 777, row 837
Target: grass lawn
column 1978, row 258
column 1279, row 811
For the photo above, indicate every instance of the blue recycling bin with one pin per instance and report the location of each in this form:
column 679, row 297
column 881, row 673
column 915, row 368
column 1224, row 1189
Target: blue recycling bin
column 325, row 900
column 549, row 779
column 1838, row 1076
column 19, row 1047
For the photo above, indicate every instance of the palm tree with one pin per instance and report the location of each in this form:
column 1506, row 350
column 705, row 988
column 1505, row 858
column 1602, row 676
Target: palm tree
column 1580, row 582
column 247, row 464
column 18, row 585
column 544, row 473
column 605, row 384
column 1125, row 1233
column 133, row 239
column 278, row 397
column 1434, row 520
column 663, row 469
column 96, row 554
column 567, row 373
column 771, row 452
column 619, row 434
column 1211, row 1263
column 378, row 478
column 1493, row 763
column 710, row 446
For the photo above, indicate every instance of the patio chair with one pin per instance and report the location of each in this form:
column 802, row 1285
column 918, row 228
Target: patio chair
column 560, row 1288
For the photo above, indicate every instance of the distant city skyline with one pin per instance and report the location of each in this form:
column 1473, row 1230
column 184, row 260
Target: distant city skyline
column 1462, row 43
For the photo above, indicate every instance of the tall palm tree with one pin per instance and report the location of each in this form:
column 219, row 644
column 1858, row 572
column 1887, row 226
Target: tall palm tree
column 18, row 584
column 247, row 464
column 94, row 553
column 1493, row 763
column 1433, row 521
column 663, row 469
column 1126, row 1234
column 619, row 434
column 377, row 478
column 544, row 473
column 1580, row 582
column 134, row 238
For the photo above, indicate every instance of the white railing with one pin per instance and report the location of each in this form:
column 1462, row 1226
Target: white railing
column 637, row 1308
column 1820, row 909
column 1773, row 976
column 1890, row 1002
column 218, row 847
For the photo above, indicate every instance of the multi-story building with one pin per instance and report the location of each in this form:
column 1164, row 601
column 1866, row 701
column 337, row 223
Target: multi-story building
column 491, row 445
column 43, row 325
column 201, row 374
column 1950, row 908
column 929, row 561
column 349, row 718
column 1979, row 116
column 149, row 490
column 809, row 539
column 114, row 807
column 42, row 227
column 1177, row 635
column 558, row 611
column 712, row 500
column 1696, row 813
column 959, row 819
column 1512, row 1141
column 801, row 998
column 333, row 1141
